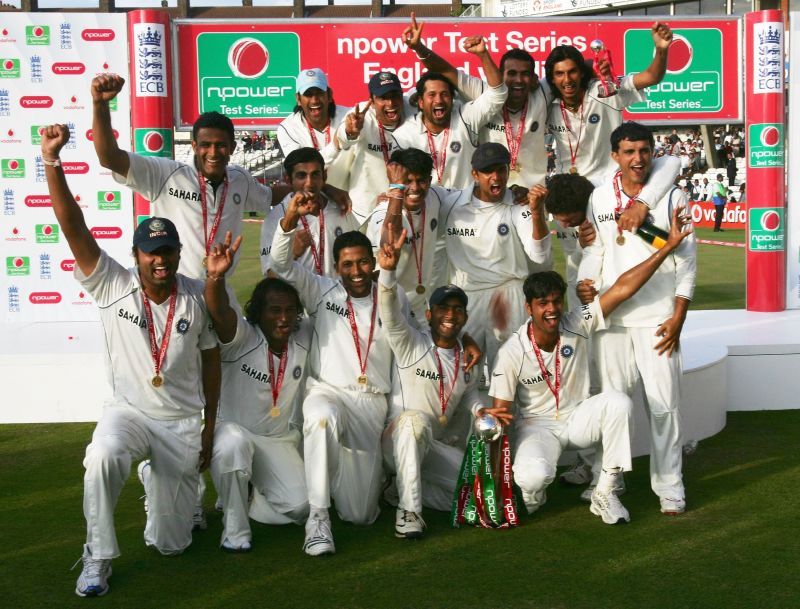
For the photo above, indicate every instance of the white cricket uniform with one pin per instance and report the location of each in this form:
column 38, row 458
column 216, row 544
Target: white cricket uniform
column 368, row 176
column 542, row 431
column 174, row 192
column 625, row 351
column 336, row 223
column 250, row 445
column 428, row 243
column 343, row 419
column 421, row 449
column 466, row 121
column 490, row 248
column 589, row 129
column 141, row 420
column 293, row 133
column 532, row 159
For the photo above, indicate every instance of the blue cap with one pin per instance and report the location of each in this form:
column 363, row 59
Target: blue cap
column 311, row 78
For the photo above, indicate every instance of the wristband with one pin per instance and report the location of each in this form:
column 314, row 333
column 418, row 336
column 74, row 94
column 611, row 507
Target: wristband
column 214, row 277
column 397, row 186
column 54, row 163
column 428, row 56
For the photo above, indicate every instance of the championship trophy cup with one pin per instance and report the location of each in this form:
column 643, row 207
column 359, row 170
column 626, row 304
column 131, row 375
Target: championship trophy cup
column 608, row 82
column 484, row 494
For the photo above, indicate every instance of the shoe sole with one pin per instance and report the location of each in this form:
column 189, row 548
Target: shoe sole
column 415, row 535
column 672, row 512
column 232, row 550
column 325, row 552
column 91, row 594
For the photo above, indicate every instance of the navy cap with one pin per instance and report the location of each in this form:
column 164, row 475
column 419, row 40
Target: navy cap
column 384, row 82
column 488, row 155
column 443, row 292
column 154, row 233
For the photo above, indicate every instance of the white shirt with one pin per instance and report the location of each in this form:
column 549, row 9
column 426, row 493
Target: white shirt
column 489, row 244
column 129, row 361
column 589, row 129
column 174, row 192
column 416, row 379
column 334, row 359
column 604, row 260
column 293, row 133
column 532, row 159
column 336, row 223
column 518, row 376
column 246, row 396
column 461, row 136
column 567, row 237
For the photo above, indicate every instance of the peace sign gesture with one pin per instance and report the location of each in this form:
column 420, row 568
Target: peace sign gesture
column 389, row 252
column 220, row 256
column 354, row 121
column 413, row 33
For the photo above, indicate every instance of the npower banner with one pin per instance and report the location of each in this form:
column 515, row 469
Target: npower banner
column 248, row 70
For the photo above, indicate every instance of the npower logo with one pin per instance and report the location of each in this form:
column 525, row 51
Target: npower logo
column 766, row 229
column 41, row 298
column 765, row 145
column 75, row 167
column 38, row 201
column 106, row 232
column 68, row 265
column 35, row 101
column 90, row 134
column 68, row 67
column 97, row 35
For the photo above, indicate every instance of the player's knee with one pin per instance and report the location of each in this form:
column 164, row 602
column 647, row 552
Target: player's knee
column 533, row 475
column 105, row 452
column 298, row 514
column 618, row 405
column 411, row 423
column 318, row 415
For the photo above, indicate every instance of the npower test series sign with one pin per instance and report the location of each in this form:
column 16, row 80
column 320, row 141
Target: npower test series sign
column 248, row 70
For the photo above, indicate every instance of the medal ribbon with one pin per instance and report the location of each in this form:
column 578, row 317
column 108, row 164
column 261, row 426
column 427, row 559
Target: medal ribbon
column 554, row 386
column 514, row 141
column 354, row 328
column 418, row 253
column 276, row 384
column 318, row 252
column 160, row 352
column 439, row 166
column 442, row 400
column 204, row 206
column 384, row 144
column 568, row 124
column 314, row 135
column 617, row 181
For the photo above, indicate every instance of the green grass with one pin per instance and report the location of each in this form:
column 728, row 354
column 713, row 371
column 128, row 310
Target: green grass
column 736, row 547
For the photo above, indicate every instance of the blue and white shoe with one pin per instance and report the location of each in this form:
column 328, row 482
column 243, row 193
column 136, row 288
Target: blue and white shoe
column 93, row 580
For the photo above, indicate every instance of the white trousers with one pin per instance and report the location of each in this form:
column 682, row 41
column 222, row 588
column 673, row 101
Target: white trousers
column 603, row 420
column 124, row 435
column 427, row 469
column 627, row 354
column 342, row 450
column 273, row 466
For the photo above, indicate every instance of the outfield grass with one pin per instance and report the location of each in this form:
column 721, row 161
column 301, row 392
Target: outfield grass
column 736, row 547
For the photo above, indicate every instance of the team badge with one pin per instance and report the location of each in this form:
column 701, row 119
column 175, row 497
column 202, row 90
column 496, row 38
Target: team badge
column 297, row 372
column 338, row 231
column 467, row 377
column 237, row 198
column 594, row 118
column 455, row 147
column 157, row 225
column 309, row 72
column 534, row 126
column 182, row 326
column 567, row 351
column 434, row 223
column 502, row 229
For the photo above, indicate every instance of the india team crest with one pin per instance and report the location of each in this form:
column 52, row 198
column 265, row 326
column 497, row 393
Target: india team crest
column 467, row 376
column 594, row 118
column 237, row 198
column 338, row 231
column 567, row 351
column 455, row 147
column 534, row 126
column 182, row 326
column 502, row 229
column 434, row 223
column 297, row 372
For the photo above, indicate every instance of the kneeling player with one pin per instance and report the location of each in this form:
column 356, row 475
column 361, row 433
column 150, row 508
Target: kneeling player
column 257, row 437
column 429, row 385
column 544, row 366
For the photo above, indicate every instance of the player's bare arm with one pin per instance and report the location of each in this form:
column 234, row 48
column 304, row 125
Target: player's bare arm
column 106, row 87
column 662, row 37
column 412, row 36
column 536, row 197
column 477, row 46
column 631, row 280
column 218, row 262
column 501, row 410
column 395, row 195
column 68, row 213
column 354, row 121
column 212, row 378
column 586, row 233
column 670, row 329
column 299, row 205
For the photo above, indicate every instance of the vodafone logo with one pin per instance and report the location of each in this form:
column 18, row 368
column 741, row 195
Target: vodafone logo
column 106, row 232
column 68, row 67
column 68, row 265
column 38, row 298
column 37, row 201
column 770, row 136
column 153, row 142
column 248, row 58
column 36, row 101
column 75, row 167
column 680, row 55
column 95, row 35
column 770, row 221
column 90, row 134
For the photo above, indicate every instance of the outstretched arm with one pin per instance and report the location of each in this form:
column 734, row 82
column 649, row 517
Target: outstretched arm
column 68, row 213
column 212, row 378
column 662, row 37
column 412, row 36
column 219, row 260
column 105, row 88
column 477, row 46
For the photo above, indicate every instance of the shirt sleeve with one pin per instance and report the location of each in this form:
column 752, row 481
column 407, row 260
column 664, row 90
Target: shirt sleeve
column 685, row 257
column 505, row 374
column 285, row 139
column 259, row 196
column 628, row 93
column 395, row 321
column 474, row 113
column 107, row 282
column 268, row 233
column 309, row 286
column 471, row 87
column 147, row 174
column 539, row 251
column 662, row 178
column 591, row 266
column 374, row 225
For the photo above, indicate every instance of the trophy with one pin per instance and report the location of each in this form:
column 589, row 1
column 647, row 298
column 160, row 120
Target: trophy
column 487, row 428
column 608, row 85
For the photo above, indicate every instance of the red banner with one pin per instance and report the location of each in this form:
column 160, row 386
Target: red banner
column 248, row 70
column 703, row 214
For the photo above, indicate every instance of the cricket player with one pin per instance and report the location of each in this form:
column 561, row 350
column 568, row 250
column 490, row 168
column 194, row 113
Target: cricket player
column 164, row 369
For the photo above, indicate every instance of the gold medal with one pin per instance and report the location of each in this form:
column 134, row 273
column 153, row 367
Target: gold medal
column 362, row 380
column 620, row 240
column 274, row 412
column 573, row 169
column 205, row 261
column 516, row 168
column 157, row 381
column 420, row 289
column 443, row 420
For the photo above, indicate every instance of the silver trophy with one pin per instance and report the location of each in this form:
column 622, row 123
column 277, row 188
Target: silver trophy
column 487, row 428
column 609, row 86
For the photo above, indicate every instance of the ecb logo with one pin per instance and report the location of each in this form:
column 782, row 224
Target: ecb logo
column 766, row 229
column 247, row 74
column 693, row 82
column 765, row 145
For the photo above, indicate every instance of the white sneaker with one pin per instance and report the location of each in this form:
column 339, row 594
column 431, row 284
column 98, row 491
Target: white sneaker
column 319, row 538
column 408, row 525
column 93, row 580
column 199, row 519
column 619, row 489
column 143, row 471
column 577, row 475
column 608, row 506
column 227, row 546
column 672, row 507
column 587, row 493
column 533, row 501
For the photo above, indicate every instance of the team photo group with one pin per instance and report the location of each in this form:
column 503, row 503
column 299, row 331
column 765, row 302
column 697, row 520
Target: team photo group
column 408, row 291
